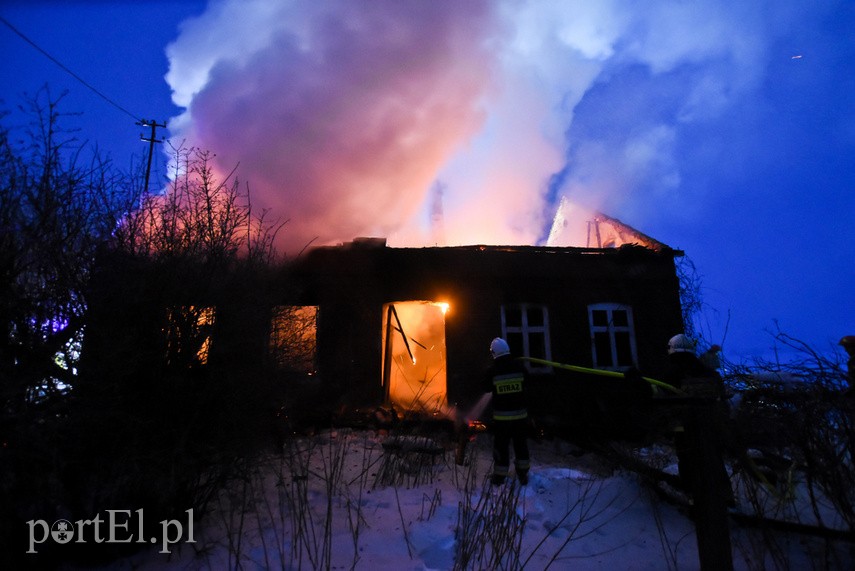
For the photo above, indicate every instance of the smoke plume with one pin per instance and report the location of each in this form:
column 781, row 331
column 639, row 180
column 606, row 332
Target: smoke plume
column 343, row 115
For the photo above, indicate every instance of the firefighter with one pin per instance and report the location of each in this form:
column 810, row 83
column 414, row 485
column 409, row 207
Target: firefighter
column 687, row 372
column 506, row 380
column 700, row 419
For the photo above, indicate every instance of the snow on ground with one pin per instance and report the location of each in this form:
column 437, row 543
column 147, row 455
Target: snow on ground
column 357, row 499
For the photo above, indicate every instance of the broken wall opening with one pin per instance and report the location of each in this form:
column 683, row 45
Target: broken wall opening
column 188, row 332
column 294, row 338
column 414, row 356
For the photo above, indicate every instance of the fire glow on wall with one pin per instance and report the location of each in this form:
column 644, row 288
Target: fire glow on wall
column 414, row 358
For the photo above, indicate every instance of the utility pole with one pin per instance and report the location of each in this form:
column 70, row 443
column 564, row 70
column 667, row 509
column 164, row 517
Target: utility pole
column 151, row 141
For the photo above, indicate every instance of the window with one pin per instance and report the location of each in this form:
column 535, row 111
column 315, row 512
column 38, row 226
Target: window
column 188, row 335
column 612, row 336
column 294, row 337
column 525, row 327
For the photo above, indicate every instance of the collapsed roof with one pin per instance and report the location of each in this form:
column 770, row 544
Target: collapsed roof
column 576, row 226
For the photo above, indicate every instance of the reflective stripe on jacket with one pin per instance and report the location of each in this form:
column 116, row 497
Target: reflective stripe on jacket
column 506, row 379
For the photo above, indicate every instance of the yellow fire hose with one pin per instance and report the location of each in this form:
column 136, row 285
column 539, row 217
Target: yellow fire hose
column 613, row 374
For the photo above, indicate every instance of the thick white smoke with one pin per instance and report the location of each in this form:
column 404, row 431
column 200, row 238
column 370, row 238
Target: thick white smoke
column 343, row 114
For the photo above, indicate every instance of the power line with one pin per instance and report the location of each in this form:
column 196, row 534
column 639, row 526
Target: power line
column 64, row 68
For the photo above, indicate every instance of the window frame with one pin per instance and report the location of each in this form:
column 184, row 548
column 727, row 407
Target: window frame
column 612, row 329
column 526, row 331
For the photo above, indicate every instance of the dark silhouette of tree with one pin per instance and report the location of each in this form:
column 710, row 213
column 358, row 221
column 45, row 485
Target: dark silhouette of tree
column 59, row 202
column 56, row 208
column 135, row 333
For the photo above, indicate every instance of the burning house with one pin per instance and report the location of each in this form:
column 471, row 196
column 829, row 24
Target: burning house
column 411, row 326
column 363, row 323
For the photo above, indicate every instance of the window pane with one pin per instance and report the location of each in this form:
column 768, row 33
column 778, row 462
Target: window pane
column 515, row 342
column 619, row 318
column 600, row 318
column 603, row 347
column 536, row 346
column 535, row 316
column 624, row 351
column 513, row 316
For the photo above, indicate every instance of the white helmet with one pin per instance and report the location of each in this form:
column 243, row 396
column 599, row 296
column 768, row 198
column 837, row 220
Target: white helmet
column 499, row 347
column 680, row 344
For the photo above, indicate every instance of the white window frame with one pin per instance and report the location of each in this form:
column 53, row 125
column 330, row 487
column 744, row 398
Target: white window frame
column 526, row 330
column 611, row 329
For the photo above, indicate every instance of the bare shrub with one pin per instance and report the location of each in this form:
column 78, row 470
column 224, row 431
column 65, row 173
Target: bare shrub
column 198, row 217
column 59, row 202
column 795, row 419
column 489, row 529
column 160, row 415
column 275, row 504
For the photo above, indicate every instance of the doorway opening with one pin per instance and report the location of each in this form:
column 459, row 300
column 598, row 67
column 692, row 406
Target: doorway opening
column 414, row 358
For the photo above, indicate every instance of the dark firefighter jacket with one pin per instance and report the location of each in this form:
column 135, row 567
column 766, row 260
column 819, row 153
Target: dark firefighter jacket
column 506, row 379
column 686, row 372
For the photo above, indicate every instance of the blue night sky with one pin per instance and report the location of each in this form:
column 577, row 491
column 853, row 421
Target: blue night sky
column 724, row 129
